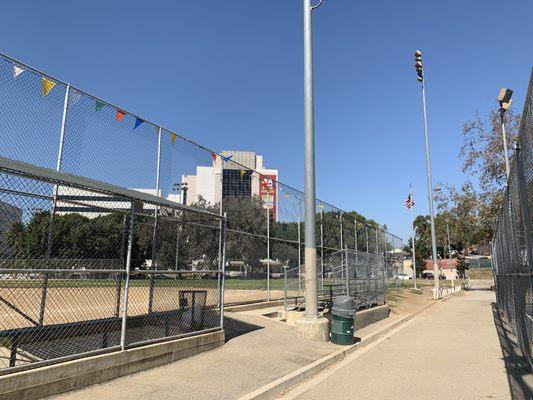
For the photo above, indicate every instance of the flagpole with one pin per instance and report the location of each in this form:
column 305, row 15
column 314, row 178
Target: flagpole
column 412, row 234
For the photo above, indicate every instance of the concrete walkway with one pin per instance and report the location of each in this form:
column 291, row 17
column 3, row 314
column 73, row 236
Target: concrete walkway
column 245, row 363
column 450, row 351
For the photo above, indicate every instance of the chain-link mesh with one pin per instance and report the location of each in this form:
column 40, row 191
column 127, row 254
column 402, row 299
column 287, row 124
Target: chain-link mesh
column 359, row 274
column 512, row 245
column 72, row 251
column 49, row 225
column 48, row 123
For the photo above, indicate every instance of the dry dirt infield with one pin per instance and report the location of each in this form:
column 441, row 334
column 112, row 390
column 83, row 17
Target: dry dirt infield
column 96, row 302
column 66, row 304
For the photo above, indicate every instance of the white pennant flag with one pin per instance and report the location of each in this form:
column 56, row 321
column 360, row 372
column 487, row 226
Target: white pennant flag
column 17, row 71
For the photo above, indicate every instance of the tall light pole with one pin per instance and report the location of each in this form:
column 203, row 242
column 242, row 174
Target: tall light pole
column 308, row 327
column 504, row 98
column 420, row 71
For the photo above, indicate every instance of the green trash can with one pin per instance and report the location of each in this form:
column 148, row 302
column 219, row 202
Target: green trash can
column 342, row 317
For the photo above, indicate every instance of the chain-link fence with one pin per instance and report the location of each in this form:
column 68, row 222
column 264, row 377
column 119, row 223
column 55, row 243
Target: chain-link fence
column 49, row 123
column 512, row 245
column 88, row 267
column 359, row 274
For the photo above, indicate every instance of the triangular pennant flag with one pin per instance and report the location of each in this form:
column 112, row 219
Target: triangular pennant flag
column 138, row 122
column 173, row 137
column 214, row 157
column 119, row 116
column 98, row 105
column 48, row 85
column 286, row 195
column 17, row 70
column 242, row 172
column 228, row 158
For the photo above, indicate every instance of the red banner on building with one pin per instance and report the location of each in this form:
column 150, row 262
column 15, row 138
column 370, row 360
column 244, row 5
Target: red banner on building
column 268, row 193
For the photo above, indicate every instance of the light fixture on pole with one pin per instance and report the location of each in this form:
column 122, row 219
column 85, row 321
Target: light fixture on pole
column 420, row 72
column 504, row 98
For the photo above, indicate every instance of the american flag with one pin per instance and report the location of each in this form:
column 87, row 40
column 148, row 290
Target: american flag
column 410, row 202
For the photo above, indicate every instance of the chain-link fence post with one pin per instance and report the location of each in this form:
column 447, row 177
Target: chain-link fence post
column 366, row 234
column 377, row 240
column 322, row 245
column 522, row 198
column 347, row 270
column 127, row 283
column 222, row 265
column 156, row 214
column 355, row 233
column 50, row 238
column 299, row 240
column 341, row 230
column 118, row 279
column 386, row 262
column 285, row 289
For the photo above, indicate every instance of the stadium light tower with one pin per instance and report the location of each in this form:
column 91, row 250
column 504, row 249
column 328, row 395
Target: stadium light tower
column 420, row 72
column 311, row 326
column 504, row 98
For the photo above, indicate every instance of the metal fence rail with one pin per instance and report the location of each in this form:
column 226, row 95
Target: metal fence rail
column 87, row 267
column 47, row 122
column 512, row 245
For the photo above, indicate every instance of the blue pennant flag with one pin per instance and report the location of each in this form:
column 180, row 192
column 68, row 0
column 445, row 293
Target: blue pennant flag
column 138, row 122
column 228, row 158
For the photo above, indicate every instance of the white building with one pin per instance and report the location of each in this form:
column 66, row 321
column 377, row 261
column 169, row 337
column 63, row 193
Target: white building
column 235, row 177
column 92, row 204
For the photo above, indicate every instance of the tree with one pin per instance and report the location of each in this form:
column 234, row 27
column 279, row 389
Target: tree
column 462, row 266
column 482, row 149
column 472, row 209
column 74, row 236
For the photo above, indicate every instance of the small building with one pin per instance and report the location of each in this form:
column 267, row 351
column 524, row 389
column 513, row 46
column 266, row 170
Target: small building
column 447, row 267
column 233, row 178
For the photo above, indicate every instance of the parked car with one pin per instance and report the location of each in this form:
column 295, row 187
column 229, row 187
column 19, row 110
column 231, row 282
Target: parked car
column 431, row 276
column 403, row 276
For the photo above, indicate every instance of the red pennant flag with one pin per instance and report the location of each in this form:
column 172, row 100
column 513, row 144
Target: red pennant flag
column 214, row 156
column 119, row 116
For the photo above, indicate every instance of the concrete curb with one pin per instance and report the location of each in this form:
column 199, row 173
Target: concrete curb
column 79, row 373
column 281, row 385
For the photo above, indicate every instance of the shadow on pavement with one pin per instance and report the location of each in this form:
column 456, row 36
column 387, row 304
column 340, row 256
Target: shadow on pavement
column 517, row 367
column 234, row 328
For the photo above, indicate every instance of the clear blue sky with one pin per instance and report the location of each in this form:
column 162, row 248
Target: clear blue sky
column 229, row 74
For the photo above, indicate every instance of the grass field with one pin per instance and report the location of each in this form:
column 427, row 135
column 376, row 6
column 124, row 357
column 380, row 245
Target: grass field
column 480, row 273
column 231, row 284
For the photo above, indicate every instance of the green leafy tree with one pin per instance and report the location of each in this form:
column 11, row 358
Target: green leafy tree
column 462, row 266
column 472, row 208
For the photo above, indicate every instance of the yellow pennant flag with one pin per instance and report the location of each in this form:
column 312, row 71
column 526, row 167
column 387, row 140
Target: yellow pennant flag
column 173, row 137
column 242, row 173
column 48, row 85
